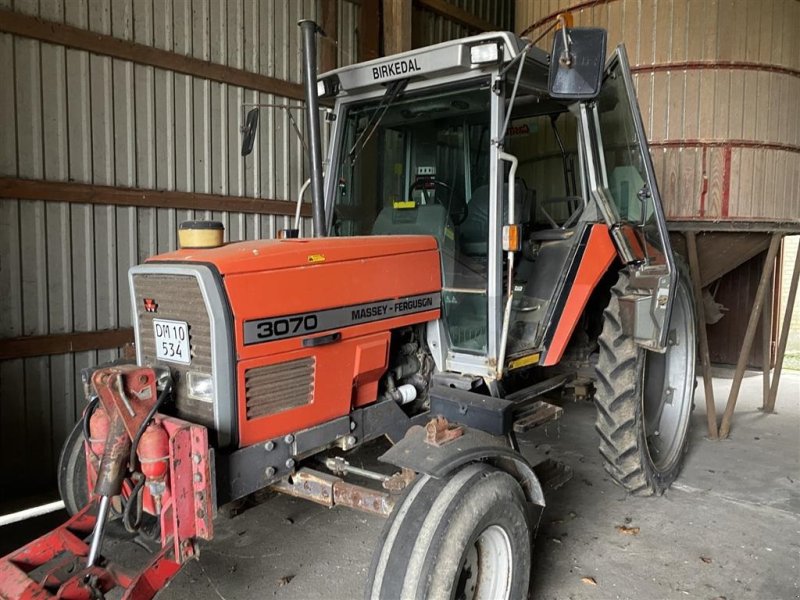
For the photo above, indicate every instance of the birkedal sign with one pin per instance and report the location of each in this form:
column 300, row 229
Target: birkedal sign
column 399, row 67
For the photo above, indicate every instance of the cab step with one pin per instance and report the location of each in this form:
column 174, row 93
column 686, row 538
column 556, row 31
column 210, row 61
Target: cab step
column 537, row 389
column 494, row 415
column 536, row 414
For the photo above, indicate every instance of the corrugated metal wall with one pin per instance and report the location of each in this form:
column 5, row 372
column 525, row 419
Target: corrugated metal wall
column 431, row 28
column 68, row 115
column 718, row 82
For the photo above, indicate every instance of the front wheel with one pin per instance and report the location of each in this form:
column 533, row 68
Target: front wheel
column 644, row 399
column 467, row 536
column 73, row 485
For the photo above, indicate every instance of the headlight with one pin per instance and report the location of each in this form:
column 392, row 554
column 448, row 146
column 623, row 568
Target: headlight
column 484, row 53
column 328, row 87
column 200, row 386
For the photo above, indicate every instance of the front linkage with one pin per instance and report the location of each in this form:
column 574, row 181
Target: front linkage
column 138, row 461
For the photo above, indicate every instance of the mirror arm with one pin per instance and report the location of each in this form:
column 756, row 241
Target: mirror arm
column 510, row 108
column 566, row 57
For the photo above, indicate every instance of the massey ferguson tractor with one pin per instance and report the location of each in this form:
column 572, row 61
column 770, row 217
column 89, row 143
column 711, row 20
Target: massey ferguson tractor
column 488, row 229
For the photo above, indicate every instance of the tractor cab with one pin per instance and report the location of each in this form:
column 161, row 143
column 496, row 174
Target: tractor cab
column 509, row 160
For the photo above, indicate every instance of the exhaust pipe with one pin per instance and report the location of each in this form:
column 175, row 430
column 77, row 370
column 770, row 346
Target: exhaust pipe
column 309, row 29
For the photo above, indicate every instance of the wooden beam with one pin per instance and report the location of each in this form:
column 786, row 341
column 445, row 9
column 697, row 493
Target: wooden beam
column 81, row 193
column 369, row 30
column 705, row 360
column 720, row 254
column 750, row 333
column 396, row 26
column 64, row 343
column 329, row 42
column 456, row 14
column 106, row 45
column 787, row 322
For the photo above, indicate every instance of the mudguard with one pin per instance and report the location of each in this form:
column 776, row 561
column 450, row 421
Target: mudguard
column 415, row 453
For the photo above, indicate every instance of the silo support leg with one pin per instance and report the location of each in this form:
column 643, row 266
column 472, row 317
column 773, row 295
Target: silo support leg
column 705, row 360
column 766, row 351
column 750, row 334
column 787, row 320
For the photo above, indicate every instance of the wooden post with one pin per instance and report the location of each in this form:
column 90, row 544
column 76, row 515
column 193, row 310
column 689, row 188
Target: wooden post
column 750, row 333
column 705, row 360
column 787, row 320
column 766, row 339
column 369, row 30
column 328, row 43
column 396, row 26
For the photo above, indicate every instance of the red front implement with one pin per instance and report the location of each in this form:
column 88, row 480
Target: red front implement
column 175, row 486
column 62, row 552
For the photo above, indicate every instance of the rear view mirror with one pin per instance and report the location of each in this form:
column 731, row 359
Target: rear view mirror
column 249, row 131
column 576, row 64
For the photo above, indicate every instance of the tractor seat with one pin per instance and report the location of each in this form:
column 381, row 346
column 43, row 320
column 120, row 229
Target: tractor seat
column 428, row 219
column 474, row 231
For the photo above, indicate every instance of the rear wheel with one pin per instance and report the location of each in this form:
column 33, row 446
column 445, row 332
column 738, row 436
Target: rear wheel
column 644, row 399
column 466, row 537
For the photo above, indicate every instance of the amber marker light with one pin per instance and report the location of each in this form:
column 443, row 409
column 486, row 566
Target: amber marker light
column 511, row 238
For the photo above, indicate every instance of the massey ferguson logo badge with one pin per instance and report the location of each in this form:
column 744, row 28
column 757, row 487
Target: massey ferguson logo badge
column 400, row 67
column 150, row 305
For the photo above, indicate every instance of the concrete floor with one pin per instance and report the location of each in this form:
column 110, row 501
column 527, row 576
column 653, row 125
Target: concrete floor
column 728, row 528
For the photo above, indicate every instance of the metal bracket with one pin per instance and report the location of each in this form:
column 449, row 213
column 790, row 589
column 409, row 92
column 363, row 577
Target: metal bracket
column 644, row 311
column 329, row 490
column 439, row 432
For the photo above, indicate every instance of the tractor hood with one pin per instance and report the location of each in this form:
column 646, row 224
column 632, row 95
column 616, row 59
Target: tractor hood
column 272, row 255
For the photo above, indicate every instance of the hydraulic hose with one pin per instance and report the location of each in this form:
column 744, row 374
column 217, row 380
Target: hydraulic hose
column 87, row 416
column 132, row 523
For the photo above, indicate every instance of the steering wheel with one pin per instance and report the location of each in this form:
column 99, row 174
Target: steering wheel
column 456, row 210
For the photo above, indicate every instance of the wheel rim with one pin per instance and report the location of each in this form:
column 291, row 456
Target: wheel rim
column 668, row 384
column 488, row 567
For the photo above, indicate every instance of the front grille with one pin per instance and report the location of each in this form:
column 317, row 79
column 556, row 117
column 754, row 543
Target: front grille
column 178, row 297
column 274, row 388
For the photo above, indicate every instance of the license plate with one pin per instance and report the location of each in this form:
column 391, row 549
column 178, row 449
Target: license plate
column 172, row 341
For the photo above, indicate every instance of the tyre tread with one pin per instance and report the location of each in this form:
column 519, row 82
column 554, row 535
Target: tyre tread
column 617, row 399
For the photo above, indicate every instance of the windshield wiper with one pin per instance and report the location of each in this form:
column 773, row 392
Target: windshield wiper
column 392, row 92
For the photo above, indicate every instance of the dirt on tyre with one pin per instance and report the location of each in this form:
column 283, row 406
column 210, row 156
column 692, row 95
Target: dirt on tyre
column 463, row 537
column 644, row 399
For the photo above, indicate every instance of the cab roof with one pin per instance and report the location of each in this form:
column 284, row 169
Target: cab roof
column 432, row 62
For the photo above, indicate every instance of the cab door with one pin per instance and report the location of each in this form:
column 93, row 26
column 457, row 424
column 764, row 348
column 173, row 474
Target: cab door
column 623, row 183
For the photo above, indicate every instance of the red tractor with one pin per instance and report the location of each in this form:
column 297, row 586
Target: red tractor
column 489, row 230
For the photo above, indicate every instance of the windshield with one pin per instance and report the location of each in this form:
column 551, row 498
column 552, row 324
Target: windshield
column 419, row 164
